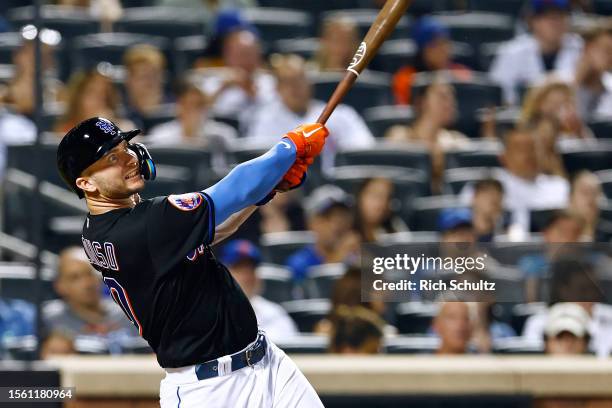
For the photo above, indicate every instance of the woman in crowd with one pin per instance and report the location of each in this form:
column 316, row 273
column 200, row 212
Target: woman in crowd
column 435, row 106
column 339, row 40
column 374, row 214
column 90, row 93
column 585, row 198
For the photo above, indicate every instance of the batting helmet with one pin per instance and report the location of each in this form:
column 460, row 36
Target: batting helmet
column 91, row 139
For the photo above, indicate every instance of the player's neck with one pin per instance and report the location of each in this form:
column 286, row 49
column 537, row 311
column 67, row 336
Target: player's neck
column 100, row 205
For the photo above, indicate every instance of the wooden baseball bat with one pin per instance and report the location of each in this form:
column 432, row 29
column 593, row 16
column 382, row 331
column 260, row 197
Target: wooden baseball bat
column 384, row 24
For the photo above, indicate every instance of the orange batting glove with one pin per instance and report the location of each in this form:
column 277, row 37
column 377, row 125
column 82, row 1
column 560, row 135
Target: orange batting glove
column 308, row 139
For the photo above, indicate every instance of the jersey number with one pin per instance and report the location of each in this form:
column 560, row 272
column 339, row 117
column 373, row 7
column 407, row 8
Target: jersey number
column 121, row 297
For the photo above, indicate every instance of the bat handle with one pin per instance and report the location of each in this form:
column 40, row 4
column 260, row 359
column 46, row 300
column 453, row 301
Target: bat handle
column 341, row 90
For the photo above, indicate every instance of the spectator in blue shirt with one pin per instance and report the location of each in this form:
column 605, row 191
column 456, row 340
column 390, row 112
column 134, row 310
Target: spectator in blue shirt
column 16, row 318
column 330, row 218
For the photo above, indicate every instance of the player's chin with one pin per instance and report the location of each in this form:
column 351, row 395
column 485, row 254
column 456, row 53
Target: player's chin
column 135, row 185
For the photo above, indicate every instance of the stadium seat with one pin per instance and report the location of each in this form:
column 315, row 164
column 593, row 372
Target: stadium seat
column 517, row 345
column 305, row 47
column 22, row 348
column 601, row 127
column 407, row 237
column 472, row 95
column 7, row 71
column 135, row 345
column 276, row 282
column 91, row 344
column 425, row 211
column 415, row 317
column 187, row 50
column 278, row 246
column 196, row 162
column 304, row 344
column 605, row 176
column 382, row 118
column 457, row 178
column 314, row 7
column 321, row 279
column 372, row 89
column 277, row 24
column 164, row 113
column 387, row 154
column 9, row 42
column 17, row 281
column 170, row 180
column 505, row 118
column 69, row 21
column 307, row 313
column 522, row 311
column 364, row 17
column 412, row 344
column 486, row 53
column 169, row 22
column 89, row 50
column 481, row 153
column 464, row 53
column 590, row 157
column 540, row 217
column 393, row 55
column 602, row 7
column 476, row 27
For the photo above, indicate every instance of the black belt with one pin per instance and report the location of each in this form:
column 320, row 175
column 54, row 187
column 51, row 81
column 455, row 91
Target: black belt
column 245, row 358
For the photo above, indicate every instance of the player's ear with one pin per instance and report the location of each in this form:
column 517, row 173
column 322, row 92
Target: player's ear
column 86, row 184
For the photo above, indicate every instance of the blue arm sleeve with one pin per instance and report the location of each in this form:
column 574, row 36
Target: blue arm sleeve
column 251, row 181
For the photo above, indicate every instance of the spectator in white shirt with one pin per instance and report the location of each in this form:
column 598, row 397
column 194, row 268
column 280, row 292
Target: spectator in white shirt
column 593, row 77
column 296, row 106
column 14, row 130
column 240, row 86
column 550, row 48
column 242, row 259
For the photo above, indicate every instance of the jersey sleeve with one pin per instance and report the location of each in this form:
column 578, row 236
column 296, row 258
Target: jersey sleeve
column 177, row 225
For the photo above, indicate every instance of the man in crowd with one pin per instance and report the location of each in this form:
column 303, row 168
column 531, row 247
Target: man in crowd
column 567, row 330
column 356, row 330
column 329, row 217
column 83, row 310
column 549, row 48
column 242, row 259
column 296, row 105
column 453, row 326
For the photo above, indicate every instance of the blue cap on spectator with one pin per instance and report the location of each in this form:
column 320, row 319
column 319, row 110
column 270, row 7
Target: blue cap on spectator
column 229, row 21
column 428, row 29
column 542, row 6
column 240, row 250
column 451, row 218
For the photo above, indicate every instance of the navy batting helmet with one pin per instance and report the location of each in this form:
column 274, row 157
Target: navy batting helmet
column 91, row 139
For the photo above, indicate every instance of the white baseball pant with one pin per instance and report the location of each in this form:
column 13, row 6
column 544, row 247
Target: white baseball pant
column 273, row 382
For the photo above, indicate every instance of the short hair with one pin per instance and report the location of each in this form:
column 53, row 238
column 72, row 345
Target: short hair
column 566, row 270
column 353, row 326
column 559, row 215
column 144, row 53
column 488, row 184
column 594, row 31
column 278, row 62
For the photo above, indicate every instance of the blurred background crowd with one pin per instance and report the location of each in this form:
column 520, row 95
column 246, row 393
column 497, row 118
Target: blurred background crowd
column 477, row 122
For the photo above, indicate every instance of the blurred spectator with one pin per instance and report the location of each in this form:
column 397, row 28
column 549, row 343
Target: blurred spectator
column 453, row 326
column 108, row 11
column 208, row 9
column 192, row 125
column 19, row 95
column 573, row 280
column 455, row 225
column 242, row 259
column 144, row 85
column 15, row 129
column 296, row 106
column 282, row 213
column 487, row 328
column 241, row 85
column 593, row 77
column 567, row 330
column 338, row 43
column 585, row 198
column 347, row 293
column 82, row 310
column 525, row 186
column 555, row 100
column 434, row 48
column 374, row 215
column 16, row 319
column 549, row 48
column 90, row 93
column 436, row 111
column 356, row 330
column 329, row 217
column 546, row 131
column 487, row 209
column 56, row 344
column 562, row 227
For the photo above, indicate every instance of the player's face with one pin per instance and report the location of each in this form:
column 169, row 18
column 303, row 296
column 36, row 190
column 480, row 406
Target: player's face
column 117, row 175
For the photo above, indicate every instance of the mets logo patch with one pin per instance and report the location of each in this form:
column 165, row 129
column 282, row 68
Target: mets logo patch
column 186, row 202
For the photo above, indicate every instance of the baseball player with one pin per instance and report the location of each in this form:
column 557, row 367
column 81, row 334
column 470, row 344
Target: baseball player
column 155, row 258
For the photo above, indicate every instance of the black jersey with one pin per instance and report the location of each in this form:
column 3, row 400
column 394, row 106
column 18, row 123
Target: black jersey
column 156, row 260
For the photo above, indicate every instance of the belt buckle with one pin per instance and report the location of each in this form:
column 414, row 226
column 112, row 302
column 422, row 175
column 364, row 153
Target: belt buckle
column 248, row 355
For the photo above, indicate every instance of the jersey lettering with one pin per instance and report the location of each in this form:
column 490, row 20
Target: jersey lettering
column 97, row 256
column 121, row 297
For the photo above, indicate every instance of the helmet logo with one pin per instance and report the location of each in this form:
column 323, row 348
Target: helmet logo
column 106, row 127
